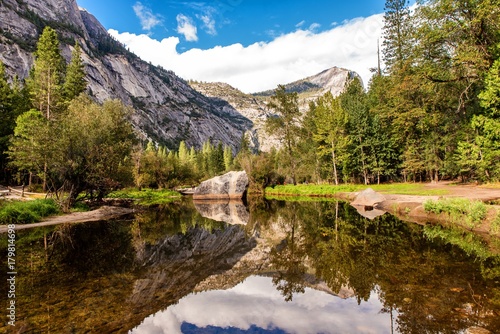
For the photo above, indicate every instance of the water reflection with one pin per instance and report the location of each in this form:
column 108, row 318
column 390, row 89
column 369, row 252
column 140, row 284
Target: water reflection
column 292, row 268
column 231, row 212
column 255, row 306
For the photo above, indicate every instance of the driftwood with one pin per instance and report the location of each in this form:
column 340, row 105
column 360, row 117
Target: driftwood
column 103, row 213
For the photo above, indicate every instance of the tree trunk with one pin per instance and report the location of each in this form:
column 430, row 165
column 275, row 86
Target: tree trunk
column 334, row 165
column 365, row 176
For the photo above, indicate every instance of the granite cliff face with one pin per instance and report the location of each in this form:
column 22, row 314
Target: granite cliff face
column 167, row 109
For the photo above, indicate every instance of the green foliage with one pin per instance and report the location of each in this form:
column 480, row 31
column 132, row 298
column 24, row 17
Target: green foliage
column 284, row 124
column 12, row 103
column 495, row 224
column 83, row 151
column 45, row 81
column 397, row 32
column 460, row 210
column 159, row 168
column 147, row 196
column 27, row 212
column 329, row 189
column 470, row 243
column 74, row 83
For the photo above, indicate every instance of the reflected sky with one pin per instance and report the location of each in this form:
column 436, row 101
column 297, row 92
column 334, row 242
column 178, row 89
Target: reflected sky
column 256, row 304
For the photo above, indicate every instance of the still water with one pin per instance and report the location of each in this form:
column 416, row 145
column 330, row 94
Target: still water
column 269, row 267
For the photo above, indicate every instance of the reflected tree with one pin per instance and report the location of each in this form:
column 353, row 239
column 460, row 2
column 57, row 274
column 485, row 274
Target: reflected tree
column 289, row 257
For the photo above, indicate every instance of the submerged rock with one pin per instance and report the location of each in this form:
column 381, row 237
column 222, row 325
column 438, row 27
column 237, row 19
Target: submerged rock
column 232, row 185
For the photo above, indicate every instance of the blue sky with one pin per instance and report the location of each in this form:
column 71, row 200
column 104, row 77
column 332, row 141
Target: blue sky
column 250, row 44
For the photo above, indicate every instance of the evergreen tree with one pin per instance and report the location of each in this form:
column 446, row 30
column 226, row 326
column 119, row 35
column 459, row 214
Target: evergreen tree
column 7, row 118
column 397, row 27
column 75, row 83
column 228, row 158
column 45, row 81
column 331, row 130
column 183, row 153
column 284, row 123
column 353, row 101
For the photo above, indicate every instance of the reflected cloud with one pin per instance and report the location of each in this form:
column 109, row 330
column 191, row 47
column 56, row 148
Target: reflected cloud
column 256, row 303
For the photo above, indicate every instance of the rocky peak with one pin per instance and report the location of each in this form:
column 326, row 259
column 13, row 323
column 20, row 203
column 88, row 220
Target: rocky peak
column 254, row 106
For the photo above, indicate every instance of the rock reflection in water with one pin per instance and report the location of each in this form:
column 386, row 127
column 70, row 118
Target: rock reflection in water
column 231, row 212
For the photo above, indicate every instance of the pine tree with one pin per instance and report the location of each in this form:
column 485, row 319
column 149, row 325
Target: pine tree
column 45, row 81
column 397, row 35
column 284, row 124
column 183, row 153
column 75, row 83
column 7, row 116
column 228, row 158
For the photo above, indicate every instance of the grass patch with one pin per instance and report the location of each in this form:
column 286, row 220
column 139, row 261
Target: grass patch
column 330, row 189
column 494, row 185
column 467, row 241
column 301, row 198
column 495, row 224
column 460, row 210
column 147, row 196
column 27, row 212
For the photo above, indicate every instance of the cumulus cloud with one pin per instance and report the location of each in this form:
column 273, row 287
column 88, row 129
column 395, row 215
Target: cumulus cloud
column 264, row 65
column 148, row 19
column 186, row 27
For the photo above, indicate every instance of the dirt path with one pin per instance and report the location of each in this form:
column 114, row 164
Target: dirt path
column 482, row 193
column 103, row 213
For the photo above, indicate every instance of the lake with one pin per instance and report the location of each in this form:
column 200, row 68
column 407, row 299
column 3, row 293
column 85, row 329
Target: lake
column 265, row 267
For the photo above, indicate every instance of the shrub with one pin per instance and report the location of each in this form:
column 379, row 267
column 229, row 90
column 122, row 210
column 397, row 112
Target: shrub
column 27, row 212
column 472, row 213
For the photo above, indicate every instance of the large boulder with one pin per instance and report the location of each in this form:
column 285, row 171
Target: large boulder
column 232, row 185
column 368, row 197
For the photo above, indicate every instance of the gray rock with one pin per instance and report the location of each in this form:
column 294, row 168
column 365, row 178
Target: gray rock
column 232, row 185
column 368, row 197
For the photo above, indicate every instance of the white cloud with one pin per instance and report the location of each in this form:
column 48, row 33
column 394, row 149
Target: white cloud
column 300, row 24
column 186, row 27
column 209, row 24
column 314, row 26
column 262, row 66
column 148, row 19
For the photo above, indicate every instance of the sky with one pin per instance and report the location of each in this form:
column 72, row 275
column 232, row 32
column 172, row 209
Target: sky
column 253, row 45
